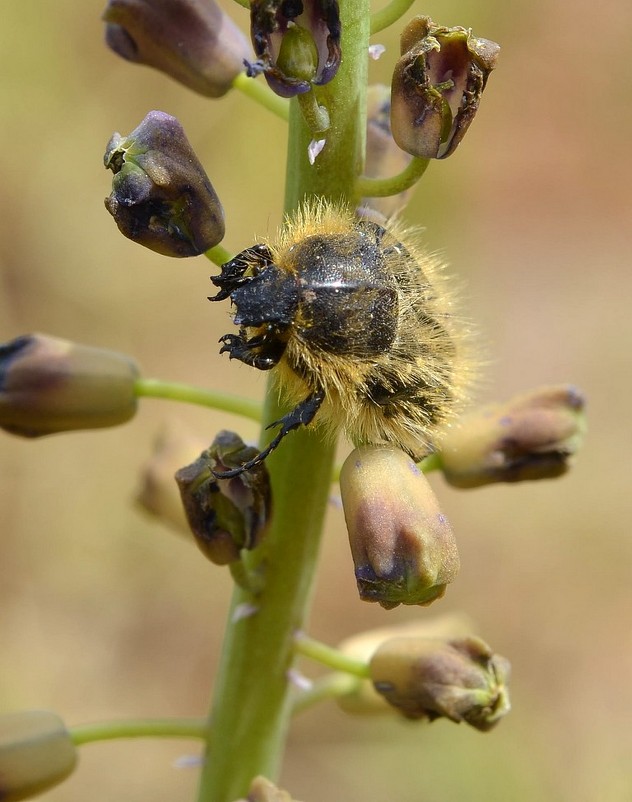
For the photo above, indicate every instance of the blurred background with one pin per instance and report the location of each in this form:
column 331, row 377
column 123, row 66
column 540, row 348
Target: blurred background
column 106, row 613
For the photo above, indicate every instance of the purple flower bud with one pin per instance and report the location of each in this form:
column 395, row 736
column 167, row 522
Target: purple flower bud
column 531, row 436
column 36, row 753
column 193, row 41
column 402, row 545
column 225, row 515
column 297, row 43
column 161, row 196
column 49, row 385
column 437, row 86
column 460, row 679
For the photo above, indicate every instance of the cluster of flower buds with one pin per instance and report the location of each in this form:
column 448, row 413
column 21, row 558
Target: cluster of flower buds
column 531, row 436
column 460, row 679
column 49, row 385
column 36, row 753
column 297, row 43
column 193, row 41
column 225, row 515
column 402, row 545
column 161, row 196
column 437, row 86
column 262, row 790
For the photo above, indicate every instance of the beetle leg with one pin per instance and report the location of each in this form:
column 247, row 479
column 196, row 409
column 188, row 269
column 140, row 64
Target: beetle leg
column 258, row 352
column 232, row 275
column 302, row 415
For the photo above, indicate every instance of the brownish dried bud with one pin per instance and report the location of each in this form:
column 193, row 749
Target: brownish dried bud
column 161, row 196
column 263, row 790
column 383, row 157
column 297, row 43
column 225, row 515
column 193, row 41
column 437, row 86
column 402, row 545
column 460, row 679
column 36, row 753
column 531, row 436
column 49, row 385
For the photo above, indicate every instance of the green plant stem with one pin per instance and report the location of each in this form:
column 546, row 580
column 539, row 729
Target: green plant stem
column 252, row 700
column 186, row 393
column 261, row 93
column 331, row 686
column 389, row 14
column 385, row 187
column 140, row 728
column 329, row 656
column 218, row 255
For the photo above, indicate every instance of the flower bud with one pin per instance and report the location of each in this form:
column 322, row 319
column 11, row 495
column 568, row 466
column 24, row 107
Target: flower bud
column 383, row 157
column 263, row 790
column 49, row 385
column 297, row 43
column 158, row 494
column 225, row 515
column 36, row 753
column 460, row 679
column 532, row 436
column 363, row 699
column 437, row 86
column 161, row 196
column 402, row 545
column 193, row 41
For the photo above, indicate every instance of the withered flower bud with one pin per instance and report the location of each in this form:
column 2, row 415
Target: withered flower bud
column 161, row 196
column 49, row 385
column 437, row 86
column 297, row 43
column 36, row 753
column 225, row 515
column 531, row 436
column 383, row 157
column 193, row 41
column 262, row 790
column 460, row 679
column 402, row 545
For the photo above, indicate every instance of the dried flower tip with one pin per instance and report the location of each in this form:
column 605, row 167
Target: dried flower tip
column 225, row 515
column 297, row 43
column 437, row 86
column 161, row 196
column 402, row 545
column 263, row 790
column 460, row 679
column 193, row 41
column 531, row 436
column 49, row 385
column 36, row 753
column 383, row 157
column 158, row 493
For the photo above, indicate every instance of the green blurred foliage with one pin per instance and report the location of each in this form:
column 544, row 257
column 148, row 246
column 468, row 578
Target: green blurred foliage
column 107, row 613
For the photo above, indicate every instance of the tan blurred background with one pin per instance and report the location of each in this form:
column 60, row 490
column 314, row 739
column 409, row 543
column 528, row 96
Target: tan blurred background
column 104, row 613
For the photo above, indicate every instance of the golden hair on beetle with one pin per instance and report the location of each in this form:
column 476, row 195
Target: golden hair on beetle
column 359, row 323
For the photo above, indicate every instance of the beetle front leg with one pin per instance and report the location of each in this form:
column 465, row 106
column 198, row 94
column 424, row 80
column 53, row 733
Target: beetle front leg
column 256, row 352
